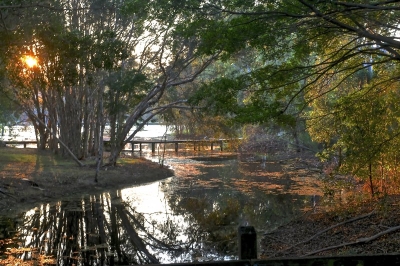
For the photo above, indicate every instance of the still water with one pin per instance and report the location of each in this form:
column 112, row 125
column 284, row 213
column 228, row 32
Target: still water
column 192, row 216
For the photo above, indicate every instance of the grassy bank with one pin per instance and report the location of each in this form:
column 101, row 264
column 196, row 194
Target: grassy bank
column 29, row 177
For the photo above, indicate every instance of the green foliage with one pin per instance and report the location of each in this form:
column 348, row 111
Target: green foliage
column 332, row 63
column 242, row 100
column 359, row 122
column 125, row 90
column 108, row 50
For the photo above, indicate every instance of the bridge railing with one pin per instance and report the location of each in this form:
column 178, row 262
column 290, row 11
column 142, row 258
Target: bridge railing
column 197, row 144
column 22, row 142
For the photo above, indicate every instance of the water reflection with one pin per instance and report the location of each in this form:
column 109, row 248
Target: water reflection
column 94, row 230
column 193, row 216
column 263, row 198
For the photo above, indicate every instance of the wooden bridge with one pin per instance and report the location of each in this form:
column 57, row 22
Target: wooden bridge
column 22, row 142
column 197, row 144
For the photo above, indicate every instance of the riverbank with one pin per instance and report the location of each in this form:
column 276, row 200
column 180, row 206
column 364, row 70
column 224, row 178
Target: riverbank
column 369, row 226
column 29, row 177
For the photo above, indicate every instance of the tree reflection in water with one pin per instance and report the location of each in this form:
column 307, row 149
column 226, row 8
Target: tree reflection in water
column 96, row 230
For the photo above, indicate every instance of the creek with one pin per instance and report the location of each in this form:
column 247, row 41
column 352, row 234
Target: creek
column 191, row 217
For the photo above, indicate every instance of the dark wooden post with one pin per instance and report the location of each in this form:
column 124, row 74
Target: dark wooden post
column 247, row 242
column 153, row 147
column 132, row 147
column 222, row 145
column 111, row 259
column 212, row 145
column 176, row 146
column 140, row 147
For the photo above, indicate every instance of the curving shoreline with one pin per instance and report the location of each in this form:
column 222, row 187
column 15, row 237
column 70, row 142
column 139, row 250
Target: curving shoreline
column 29, row 177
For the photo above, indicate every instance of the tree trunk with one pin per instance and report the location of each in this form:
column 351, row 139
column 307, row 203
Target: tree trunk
column 61, row 142
column 370, row 179
column 70, row 113
column 40, row 130
column 100, row 131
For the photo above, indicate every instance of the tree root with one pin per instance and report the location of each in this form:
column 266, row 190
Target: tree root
column 358, row 241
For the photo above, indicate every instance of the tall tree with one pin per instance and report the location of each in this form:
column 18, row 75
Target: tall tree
column 311, row 51
column 76, row 43
column 122, row 56
column 168, row 57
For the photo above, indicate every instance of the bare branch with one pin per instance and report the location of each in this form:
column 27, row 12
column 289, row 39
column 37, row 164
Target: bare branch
column 328, row 229
column 358, row 241
column 359, row 31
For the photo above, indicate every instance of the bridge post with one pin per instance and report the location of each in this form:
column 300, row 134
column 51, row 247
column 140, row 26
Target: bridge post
column 221, row 145
column 132, row 147
column 153, row 147
column 176, row 146
column 212, row 145
column 247, row 242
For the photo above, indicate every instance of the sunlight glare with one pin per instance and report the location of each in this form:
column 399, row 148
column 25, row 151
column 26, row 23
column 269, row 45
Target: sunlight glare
column 30, row 61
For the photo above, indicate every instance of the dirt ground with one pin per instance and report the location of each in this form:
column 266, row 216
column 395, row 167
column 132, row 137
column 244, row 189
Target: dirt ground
column 29, row 178
column 368, row 227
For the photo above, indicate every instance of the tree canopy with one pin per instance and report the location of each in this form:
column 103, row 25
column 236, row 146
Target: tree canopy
column 333, row 64
column 98, row 62
column 329, row 65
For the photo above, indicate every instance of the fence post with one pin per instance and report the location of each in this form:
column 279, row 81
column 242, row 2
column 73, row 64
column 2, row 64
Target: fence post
column 247, row 242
